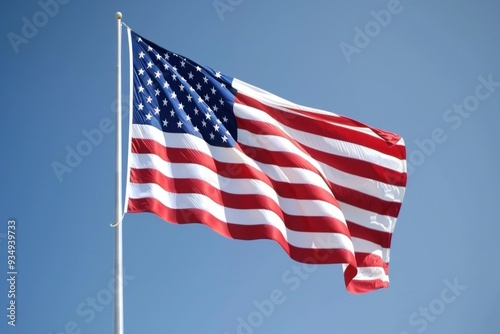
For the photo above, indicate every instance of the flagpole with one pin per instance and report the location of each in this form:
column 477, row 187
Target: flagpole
column 118, row 272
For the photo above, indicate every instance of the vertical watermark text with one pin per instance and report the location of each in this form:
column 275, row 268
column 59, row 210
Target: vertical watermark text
column 11, row 272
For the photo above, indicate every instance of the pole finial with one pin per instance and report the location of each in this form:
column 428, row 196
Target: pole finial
column 118, row 15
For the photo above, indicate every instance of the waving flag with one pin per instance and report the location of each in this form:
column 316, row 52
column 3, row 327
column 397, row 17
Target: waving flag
column 208, row 148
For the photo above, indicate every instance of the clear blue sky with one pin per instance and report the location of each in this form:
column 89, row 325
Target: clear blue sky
column 429, row 72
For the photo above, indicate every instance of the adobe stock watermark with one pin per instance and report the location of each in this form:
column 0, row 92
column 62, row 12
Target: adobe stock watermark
column 31, row 25
column 223, row 6
column 454, row 117
column 89, row 309
column 76, row 154
column 291, row 280
column 422, row 318
column 364, row 36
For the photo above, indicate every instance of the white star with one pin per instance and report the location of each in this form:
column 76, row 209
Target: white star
column 181, row 87
column 141, row 72
column 224, row 119
column 207, row 98
column 215, row 107
column 141, row 89
column 223, row 85
column 207, row 115
column 204, row 123
column 150, row 82
column 179, row 124
column 190, row 74
column 157, row 92
column 217, row 74
column 198, row 68
column 165, row 122
column 157, row 74
column 149, row 116
column 139, row 39
column 188, row 118
column 224, row 139
column 165, row 102
column 149, row 99
column 166, row 85
column 167, row 56
column 174, row 77
column 198, row 86
column 141, row 54
column 216, row 127
column 200, row 99
column 189, row 97
column 196, row 111
column 150, row 48
column 205, row 79
column 140, row 106
column 196, row 129
column 212, row 136
column 158, row 56
column 150, row 64
column 157, row 110
column 174, row 68
column 172, row 113
column 213, row 90
column 183, row 63
column 165, row 66
column 173, row 95
column 221, row 101
column 181, row 106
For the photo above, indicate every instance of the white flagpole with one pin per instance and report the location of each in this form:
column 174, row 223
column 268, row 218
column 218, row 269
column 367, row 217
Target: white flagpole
column 118, row 272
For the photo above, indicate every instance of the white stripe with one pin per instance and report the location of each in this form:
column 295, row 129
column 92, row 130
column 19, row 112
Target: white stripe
column 314, row 240
column 277, row 102
column 371, row 187
column 371, row 273
column 298, row 207
column 381, row 190
column 274, row 144
column 372, row 220
column 321, row 143
column 283, row 174
column 228, row 155
column 365, row 246
column 378, row 189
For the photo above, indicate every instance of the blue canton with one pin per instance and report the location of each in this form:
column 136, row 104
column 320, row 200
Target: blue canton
column 177, row 95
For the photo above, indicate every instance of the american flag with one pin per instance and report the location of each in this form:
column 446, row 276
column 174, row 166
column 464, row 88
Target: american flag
column 208, row 148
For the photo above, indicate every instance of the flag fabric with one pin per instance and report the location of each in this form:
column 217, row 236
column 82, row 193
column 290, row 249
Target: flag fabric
column 211, row 149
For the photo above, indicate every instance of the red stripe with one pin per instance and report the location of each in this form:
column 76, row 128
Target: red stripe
column 346, row 164
column 244, row 232
column 284, row 189
column 362, row 286
column 365, row 201
column 359, row 167
column 343, row 194
column 238, row 201
column 316, row 123
column 379, row 237
column 231, row 170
